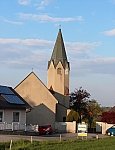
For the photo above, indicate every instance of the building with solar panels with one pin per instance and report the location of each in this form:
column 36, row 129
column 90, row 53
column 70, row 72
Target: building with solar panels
column 12, row 109
column 49, row 103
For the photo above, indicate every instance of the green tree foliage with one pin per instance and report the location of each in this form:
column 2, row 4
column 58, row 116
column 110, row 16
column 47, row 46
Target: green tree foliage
column 88, row 110
column 94, row 111
column 72, row 116
column 78, row 102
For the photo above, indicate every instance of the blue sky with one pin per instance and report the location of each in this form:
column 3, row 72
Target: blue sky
column 28, row 30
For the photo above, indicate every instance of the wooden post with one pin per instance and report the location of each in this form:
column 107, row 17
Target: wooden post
column 25, row 127
column 31, row 139
column 10, row 144
column 60, row 137
column 97, row 137
column 4, row 125
column 12, row 126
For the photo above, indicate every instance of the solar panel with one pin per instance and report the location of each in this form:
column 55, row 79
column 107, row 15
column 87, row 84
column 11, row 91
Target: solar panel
column 5, row 90
column 13, row 99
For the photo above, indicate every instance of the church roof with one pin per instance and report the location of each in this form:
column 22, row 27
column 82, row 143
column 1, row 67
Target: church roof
column 32, row 80
column 59, row 53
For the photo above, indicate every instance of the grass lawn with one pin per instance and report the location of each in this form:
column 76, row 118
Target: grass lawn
column 101, row 144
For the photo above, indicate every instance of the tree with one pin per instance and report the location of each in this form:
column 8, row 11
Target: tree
column 72, row 116
column 88, row 110
column 108, row 117
column 79, row 101
column 94, row 111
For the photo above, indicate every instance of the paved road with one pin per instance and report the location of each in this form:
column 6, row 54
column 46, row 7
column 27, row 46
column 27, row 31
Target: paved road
column 5, row 138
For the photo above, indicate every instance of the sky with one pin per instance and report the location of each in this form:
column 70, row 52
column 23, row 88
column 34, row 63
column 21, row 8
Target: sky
column 28, row 30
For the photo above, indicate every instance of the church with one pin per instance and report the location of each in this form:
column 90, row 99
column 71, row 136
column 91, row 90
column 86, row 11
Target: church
column 49, row 103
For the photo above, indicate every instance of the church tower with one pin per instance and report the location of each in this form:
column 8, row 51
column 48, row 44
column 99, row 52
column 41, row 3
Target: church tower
column 58, row 68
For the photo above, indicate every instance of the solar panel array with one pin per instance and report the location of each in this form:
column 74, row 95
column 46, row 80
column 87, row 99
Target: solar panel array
column 5, row 90
column 9, row 96
column 13, row 99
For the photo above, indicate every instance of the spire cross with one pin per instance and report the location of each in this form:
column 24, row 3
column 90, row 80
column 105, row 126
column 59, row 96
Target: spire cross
column 59, row 26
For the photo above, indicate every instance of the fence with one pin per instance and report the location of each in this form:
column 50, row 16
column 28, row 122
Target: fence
column 59, row 127
column 17, row 126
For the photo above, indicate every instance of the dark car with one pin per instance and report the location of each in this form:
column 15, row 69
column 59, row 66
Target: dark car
column 111, row 131
column 46, row 129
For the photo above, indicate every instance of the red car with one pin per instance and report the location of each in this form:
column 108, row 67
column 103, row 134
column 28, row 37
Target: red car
column 46, row 129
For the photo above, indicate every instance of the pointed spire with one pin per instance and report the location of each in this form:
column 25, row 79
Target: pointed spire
column 59, row 53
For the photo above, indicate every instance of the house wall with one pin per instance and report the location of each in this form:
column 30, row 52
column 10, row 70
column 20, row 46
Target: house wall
column 41, row 115
column 8, row 116
column 61, row 113
column 71, row 127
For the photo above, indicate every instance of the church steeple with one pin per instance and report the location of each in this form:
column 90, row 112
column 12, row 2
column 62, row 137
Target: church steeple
column 59, row 53
column 58, row 68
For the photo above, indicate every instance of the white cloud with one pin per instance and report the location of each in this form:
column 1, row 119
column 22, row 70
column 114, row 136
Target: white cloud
column 23, row 52
column 110, row 32
column 28, row 53
column 43, row 4
column 27, row 42
column 47, row 18
column 24, row 2
column 82, row 46
column 98, row 61
column 72, row 47
column 103, row 65
column 39, row 4
column 13, row 22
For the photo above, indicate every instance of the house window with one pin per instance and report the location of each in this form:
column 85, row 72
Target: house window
column 59, row 71
column 1, row 116
column 15, row 116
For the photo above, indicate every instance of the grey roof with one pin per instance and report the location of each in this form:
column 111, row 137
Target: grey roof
column 59, row 53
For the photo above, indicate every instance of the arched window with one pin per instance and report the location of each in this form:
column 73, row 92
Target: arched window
column 59, row 71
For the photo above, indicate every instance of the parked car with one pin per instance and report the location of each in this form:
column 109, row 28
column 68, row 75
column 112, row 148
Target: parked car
column 111, row 131
column 46, row 129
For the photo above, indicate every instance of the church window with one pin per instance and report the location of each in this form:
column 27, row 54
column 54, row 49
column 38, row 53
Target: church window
column 59, row 71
